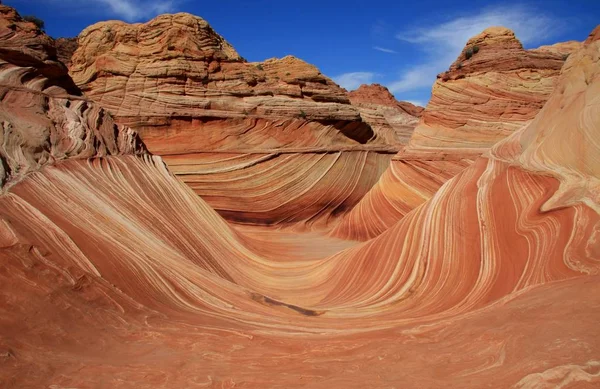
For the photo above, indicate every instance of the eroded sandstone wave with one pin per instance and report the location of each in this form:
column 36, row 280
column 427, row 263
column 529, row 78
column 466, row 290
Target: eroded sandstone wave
column 114, row 272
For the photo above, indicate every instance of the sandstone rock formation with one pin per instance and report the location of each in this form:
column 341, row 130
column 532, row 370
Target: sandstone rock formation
column 65, row 48
column 115, row 273
column 562, row 48
column 41, row 122
column 410, row 180
column 26, row 45
column 195, row 101
column 479, row 101
column 124, row 66
column 391, row 119
column 485, row 98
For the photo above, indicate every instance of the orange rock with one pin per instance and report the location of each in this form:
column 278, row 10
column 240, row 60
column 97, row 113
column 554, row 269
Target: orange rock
column 140, row 72
column 113, row 259
column 391, row 119
column 65, row 47
column 113, row 272
column 486, row 97
column 188, row 93
column 478, row 102
column 42, row 123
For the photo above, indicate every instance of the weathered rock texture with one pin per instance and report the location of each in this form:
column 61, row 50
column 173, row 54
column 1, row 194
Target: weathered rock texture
column 562, row 48
column 191, row 96
column 492, row 282
column 65, row 48
column 41, row 123
column 410, row 180
column 485, row 98
column 27, row 46
column 392, row 120
column 478, row 102
column 140, row 72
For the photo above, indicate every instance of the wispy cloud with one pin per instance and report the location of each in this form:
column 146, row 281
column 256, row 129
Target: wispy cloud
column 353, row 80
column 442, row 43
column 383, row 49
column 416, row 102
column 134, row 10
column 381, row 29
column 417, row 77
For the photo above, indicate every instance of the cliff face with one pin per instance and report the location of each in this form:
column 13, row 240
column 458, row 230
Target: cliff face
column 140, row 72
column 392, row 120
column 42, row 123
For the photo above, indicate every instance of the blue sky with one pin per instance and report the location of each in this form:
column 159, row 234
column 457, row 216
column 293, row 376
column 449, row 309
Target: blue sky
column 400, row 44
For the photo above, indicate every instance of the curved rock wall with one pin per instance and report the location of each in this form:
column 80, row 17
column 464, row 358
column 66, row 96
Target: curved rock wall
column 463, row 282
column 41, row 122
column 392, row 120
column 492, row 281
column 478, row 102
column 189, row 93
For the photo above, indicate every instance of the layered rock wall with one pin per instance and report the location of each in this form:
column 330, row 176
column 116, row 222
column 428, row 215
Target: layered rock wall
column 191, row 96
column 42, row 122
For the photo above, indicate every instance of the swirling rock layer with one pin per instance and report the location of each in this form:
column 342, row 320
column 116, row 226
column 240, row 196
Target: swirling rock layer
column 281, row 188
column 115, row 273
column 478, row 102
column 151, row 270
column 410, row 180
column 41, row 122
column 189, row 94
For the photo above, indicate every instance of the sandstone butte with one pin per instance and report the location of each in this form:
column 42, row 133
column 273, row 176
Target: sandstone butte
column 273, row 143
column 392, row 119
column 114, row 273
column 479, row 101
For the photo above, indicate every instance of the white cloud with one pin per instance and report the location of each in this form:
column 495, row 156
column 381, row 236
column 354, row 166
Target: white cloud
column 442, row 43
column 421, row 76
column 353, row 80
column 383, row 49
column 416, row 102
column 133, row 10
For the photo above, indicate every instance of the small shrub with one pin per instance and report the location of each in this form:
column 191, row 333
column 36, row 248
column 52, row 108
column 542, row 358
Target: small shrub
column 302, row 115
column 259, row 67
column 459, row 66
column 288, row 73
column 469, row 53
column 475, row 49
column 35, row 20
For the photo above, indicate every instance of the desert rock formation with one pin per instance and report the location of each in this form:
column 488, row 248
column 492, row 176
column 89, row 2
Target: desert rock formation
column 195, row 101
column 123, row 66
column 65, row 48
column 115, row 273
column 41, row 122
column 391, row 119
column 478, row 102
column 485, row 98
